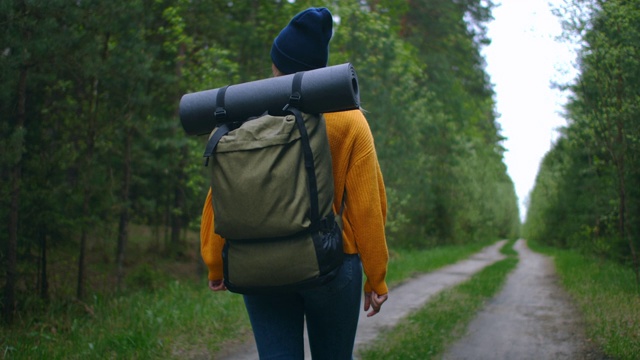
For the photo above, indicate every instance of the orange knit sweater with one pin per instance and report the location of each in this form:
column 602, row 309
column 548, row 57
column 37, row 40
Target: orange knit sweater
column 356, row 168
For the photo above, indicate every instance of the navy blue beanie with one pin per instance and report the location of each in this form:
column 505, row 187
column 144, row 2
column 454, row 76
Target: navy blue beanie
column 304, row 43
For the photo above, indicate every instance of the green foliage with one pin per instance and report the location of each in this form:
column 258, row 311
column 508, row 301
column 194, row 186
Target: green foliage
column 586, row 193
column 443, row 168
column 459, row 138
column 143, row 277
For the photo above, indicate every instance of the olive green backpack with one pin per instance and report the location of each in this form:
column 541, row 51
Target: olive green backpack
column 272, row 196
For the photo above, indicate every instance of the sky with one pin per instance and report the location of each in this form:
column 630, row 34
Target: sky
column 524, row 58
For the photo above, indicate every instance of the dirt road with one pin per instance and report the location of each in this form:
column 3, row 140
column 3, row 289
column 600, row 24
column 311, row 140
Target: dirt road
column 530, row 319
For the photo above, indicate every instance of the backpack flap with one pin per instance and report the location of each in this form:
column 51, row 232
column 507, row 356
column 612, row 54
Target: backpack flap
column 259, row 180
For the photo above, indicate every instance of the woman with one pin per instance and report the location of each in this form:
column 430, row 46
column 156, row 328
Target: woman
column 331, row 310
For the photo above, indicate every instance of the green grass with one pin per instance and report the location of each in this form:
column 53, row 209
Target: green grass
column 508, row 250
column 181, row 319
column 426, row 333
column 607, row 297
column 164, row 309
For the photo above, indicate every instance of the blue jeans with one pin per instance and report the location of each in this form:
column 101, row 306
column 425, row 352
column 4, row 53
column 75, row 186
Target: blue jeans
column 331, row 312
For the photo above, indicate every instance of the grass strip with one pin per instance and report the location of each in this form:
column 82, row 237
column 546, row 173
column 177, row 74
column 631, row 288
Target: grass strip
column 607, row 298
column 508, row 250
column 426, row 333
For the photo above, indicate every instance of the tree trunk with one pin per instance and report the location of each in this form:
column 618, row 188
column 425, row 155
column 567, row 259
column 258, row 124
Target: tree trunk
column 12, row 246
column 178, row 213
column 44, row 283
column 620, row 167
column 123, row 226
column 15, row 178
column 81, row 264
column 91, row 136
column 179, row 201
column 623, row 227
column 178, row 209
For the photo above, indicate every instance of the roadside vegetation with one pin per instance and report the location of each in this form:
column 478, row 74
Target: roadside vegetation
column 427, row 333
column 166, row 311
column 163, row 310
column 178, row 320
column 587, row 190
column 607, row 296
column 583, row 209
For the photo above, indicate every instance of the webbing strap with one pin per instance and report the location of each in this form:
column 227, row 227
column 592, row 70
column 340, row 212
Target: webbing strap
column 219, row 116
column 221, row 113
column 295, row 100
column 309, row 166
column 214, row 140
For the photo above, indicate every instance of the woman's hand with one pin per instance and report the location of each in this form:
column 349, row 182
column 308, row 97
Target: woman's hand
column 374, row 301
column 217, row 285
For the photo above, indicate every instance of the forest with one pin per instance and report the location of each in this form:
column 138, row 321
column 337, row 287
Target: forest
column 587, row 192
column 92, row 152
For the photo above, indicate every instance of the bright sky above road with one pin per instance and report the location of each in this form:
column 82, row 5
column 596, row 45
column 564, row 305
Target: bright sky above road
column 523, row 60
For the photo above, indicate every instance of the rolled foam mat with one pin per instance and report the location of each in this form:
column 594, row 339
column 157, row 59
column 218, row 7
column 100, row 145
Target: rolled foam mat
column 324, row 90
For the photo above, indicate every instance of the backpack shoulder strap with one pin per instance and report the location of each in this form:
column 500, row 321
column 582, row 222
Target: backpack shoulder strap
column 213, row 141
column 295, row 101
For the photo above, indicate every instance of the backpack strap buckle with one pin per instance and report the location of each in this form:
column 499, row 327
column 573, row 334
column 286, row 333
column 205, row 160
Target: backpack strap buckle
column 220, row 114
column 295, row 99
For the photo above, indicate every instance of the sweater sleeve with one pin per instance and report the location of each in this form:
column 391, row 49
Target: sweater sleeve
column 210, row 243
column 366, row 213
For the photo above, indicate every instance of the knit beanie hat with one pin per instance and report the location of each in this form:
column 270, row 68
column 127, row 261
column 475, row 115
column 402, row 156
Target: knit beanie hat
column 304, row 43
